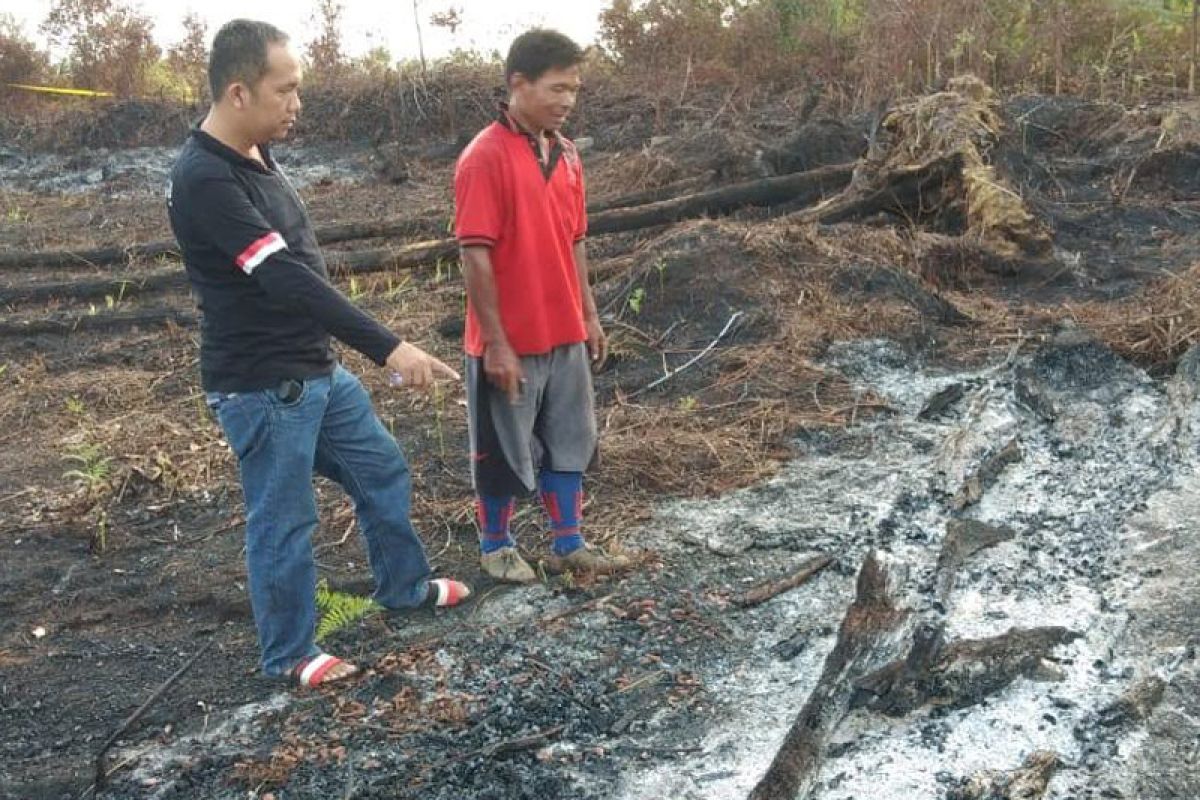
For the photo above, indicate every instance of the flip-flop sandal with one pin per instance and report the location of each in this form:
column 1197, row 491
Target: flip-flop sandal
column 446, row 593
column 313, row 672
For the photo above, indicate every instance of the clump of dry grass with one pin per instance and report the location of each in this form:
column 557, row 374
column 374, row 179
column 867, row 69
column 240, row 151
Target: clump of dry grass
column 1168, row 125
column 94, row 438
column 624, row 173
column 1154, row 327
column 965, row 120
column 829, row 309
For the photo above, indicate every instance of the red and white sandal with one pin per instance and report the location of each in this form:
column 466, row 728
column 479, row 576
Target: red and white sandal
column 447, row 593
column 313, row 672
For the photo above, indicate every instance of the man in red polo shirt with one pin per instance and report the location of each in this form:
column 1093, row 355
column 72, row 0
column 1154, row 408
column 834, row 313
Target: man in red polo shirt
column 532, row 324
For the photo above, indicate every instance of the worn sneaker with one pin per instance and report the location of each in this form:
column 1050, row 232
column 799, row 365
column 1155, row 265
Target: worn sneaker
column 588, row 559
column 507, row 565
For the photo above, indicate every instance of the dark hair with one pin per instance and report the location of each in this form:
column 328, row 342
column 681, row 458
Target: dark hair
column 239, row 54
column 535, row 52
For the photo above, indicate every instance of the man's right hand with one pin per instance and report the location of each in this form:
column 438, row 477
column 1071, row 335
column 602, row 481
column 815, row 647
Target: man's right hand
column 503, row 369
column 416, row 368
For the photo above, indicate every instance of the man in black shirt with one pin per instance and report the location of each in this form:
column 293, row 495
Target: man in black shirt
column 285, row 404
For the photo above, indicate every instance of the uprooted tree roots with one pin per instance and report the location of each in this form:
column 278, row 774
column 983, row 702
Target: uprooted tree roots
column 965, row 121
column 931, row 164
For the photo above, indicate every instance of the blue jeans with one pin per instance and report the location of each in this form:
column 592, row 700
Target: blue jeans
column 330, row 428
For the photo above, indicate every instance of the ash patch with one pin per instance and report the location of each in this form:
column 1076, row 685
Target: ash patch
column 657, row 685
column 884, row 485
column 144, row 170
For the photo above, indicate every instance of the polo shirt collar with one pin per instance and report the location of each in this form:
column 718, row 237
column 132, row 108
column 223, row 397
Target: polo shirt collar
column 506, row 119
column 217, row 147
column 557, row 143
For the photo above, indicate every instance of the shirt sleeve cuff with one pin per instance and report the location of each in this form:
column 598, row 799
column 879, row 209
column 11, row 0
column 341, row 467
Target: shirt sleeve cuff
column 388, row 345
column 476, row 241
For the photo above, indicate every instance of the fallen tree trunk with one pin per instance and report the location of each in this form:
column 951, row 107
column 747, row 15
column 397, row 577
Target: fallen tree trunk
column 871, row 634
column 801, row 187
column 1029, row 782
column 120, row 256
column 407, row 256
column 908, row 191
column 941, row 402
column 117, row 287
column 665, row 192
column 377, row 259
column 972, row 491
column 98, row 322
column 964, row 538
column 765, row 591
column 1136, row 704
column 120, row 286
column 810, row 185
column 804, row 186
column 94, row 257
column 807, row 185
column 958, row 674
column 405, row 228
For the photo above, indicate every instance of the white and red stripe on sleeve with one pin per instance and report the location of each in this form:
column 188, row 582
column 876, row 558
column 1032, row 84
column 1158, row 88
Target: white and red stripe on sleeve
column 259, row 250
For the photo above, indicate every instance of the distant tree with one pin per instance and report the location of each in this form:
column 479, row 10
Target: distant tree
column 20, row 59
column 325, row 55
column 657, row 34
column 110, row 45
column 189, row 58
column 450, row 19
column 420, row 38
column 376, row 62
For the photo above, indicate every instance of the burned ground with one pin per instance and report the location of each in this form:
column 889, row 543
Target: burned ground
column 796, row 431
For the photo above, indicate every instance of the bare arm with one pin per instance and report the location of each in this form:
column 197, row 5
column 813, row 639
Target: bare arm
column 597, row 341
column 500, row 362
column 481, row 290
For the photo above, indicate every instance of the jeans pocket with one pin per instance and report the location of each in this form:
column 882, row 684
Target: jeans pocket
column 246, row 423
column 288, row 394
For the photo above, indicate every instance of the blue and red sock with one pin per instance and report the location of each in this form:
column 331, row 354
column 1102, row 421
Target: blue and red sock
column 562, row 497
column 495, row 514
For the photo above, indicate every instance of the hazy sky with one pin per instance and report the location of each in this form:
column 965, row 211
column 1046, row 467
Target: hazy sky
column 487, row 24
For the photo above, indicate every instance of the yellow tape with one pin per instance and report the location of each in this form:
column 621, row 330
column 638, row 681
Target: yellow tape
column 58, row 90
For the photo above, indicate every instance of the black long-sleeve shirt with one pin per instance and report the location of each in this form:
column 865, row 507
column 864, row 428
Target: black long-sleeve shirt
column 258, row 274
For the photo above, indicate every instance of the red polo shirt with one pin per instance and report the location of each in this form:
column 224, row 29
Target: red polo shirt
column 530, row 215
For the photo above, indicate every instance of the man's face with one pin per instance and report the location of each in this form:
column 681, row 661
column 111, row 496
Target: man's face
column 548, row 101
column 270, row 107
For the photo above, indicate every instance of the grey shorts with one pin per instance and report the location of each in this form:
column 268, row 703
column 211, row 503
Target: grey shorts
column 552, row 426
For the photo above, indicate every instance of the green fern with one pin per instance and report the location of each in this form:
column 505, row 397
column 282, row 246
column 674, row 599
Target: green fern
column 636, row 297
column 94, row 467
column 339, row 610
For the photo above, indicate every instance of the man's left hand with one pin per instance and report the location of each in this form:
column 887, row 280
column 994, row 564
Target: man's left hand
column 597, row 342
